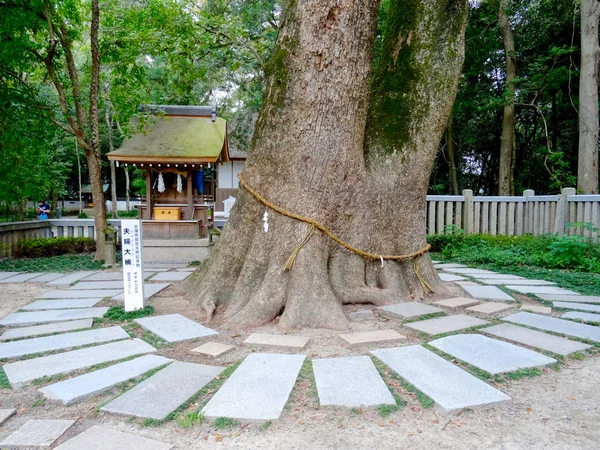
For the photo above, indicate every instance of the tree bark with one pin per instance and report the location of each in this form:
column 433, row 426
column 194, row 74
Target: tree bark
column 113, row 172
column 451, row 158
column 507, row 143
column 354, row 158
column 587, row 167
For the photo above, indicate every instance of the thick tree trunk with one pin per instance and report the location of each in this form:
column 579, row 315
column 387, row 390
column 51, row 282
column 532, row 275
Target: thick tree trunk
column 451, row 156
column 313, row 154
column 587, row 168
column 507, row 143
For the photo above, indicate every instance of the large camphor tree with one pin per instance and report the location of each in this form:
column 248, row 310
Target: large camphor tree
column 346, row 137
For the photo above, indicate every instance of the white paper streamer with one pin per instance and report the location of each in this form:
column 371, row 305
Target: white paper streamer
column 161, row 183
column 179, row 184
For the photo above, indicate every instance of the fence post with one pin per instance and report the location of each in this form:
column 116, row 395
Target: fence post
column 561, row 210
column 528, row 219
column 468, row 211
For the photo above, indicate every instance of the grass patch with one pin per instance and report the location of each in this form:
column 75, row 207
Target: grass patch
column 225, row 423
column 189, row 420
column 390, row 378
column 424, row 400
column 427, row 317
column 523, row 373
column 62, row 263
column 4, row 383
column 578, row 355
column 265, row 426
column 48, row 379
column 38, row 402
column 118, row 313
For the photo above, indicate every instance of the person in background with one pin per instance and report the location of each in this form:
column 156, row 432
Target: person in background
column 43, row 210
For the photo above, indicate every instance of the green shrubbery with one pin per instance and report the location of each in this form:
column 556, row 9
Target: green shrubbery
column 44, row 247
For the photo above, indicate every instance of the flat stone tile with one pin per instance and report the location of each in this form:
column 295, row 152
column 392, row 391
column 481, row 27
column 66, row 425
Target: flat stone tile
column 351, row 382
column 468, row 271
column 213, row 349
column 489, row 354
column 490, row 308
column 458, row 302
column 21, row 278
column 555, row 325
column 258, row 389
column 536, row 339
column 45, row 278
column 570, row 298
column 50, row 328
column 446, row 324
column 150, row 289
column 71, row 278
column 58, row 315
column 496, row 276
column 488, row 293
column 6, row 414
column 170, row 276
column 538, row 309
column 540, row 290
column 450, row 277
column 371, row 337
column 37, row 433
column 409, row 309
column 277, row 340
column 577, row 306
column 188, row 269
column 449, row 386
column 61, row 341
column 505, row 281
column 30, row 369
column 105, row 276
column 92, row 285
column 175, row 327
column 166, row 390
column 91, row 384
column 100, row 438
column 4, row 275
column 449, row 266
column 62, row 304
column 66, row 294
column 583, row 316
column 362, row 314
column 467, row 283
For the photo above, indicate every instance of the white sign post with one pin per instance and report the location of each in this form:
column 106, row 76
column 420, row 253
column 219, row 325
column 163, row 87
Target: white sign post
column 133, row 266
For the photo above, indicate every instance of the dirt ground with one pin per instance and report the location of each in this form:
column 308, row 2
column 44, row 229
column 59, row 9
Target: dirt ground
column 557, row 410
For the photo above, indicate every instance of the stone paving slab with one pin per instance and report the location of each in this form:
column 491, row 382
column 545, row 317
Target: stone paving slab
column 6, row 414
column 61, row 341
column 505, row 281
column 71, row 278
column 351, row 382
column 458, row 302
column 91, row 285
column 449, row 386
column 409, row 310
column 4, row 275
column 31, row 369
column 362, row 314
column 555, row 325
column 105, row 276
column 450, row 277
column 577, row 306
column 258, row 390
column 446, row 324
column 58, row 315
column 188, row 269
column 175, row 327
column 540, row 290
column 490, row 308
column 21, row 278
column 166, row 390
column 62, row 304
column 50, row 328
column 449, row 266
column 495, row 276
column 91, row 384
column 583, row 316
column 536, row 339
column 66, row 294
column 489, row 354
column 488, row 293
column 213, row 349
column 538, row 309
column 372, row 337
column 170, row 276
column 467, row 283
column 570, row 298
column 37, row 433
column 45, row 278
column 277, row 340
column 150, row 289
column 100, row 438
column 468, row 271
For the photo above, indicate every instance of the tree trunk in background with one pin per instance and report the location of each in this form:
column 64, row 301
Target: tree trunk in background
column 507, row 143
column 587, row 168
column 127, row 205
column 358, row 164
column 113, row 172
column 93, row 154
column 450, row 142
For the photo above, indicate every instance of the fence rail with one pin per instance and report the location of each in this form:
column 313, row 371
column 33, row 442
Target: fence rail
column 515, row 216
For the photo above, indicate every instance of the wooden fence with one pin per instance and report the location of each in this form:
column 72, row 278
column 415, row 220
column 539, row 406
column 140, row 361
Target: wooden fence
column 566, row 213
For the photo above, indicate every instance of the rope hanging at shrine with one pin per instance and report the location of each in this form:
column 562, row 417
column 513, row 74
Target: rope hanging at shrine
column 316, row 225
